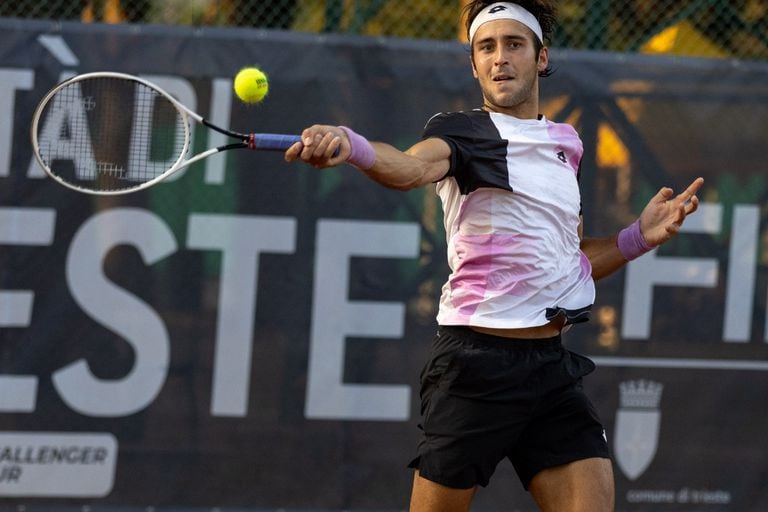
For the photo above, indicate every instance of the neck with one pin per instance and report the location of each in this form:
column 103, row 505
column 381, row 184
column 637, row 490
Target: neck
column 523, row 105
column 527, row 111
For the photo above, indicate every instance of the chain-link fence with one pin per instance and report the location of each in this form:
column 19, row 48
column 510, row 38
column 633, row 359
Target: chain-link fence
column 704, row 28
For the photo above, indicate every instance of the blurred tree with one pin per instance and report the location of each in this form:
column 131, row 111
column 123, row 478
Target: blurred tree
column 115, row 11
column 56, row 9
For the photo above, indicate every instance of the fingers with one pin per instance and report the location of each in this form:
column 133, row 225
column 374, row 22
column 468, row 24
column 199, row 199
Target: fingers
column 692, row 205
column 663, row 195
column 292, row 153
column 685, row 202
column 690, row 192
column 320, row 146
column 665, row 213
column 666, row 193
column 688, row 198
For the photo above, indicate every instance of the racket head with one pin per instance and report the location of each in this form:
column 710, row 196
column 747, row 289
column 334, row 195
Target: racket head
column 109, row 133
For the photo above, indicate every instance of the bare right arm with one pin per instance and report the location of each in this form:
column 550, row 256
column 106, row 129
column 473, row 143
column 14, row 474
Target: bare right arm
column 421, row 164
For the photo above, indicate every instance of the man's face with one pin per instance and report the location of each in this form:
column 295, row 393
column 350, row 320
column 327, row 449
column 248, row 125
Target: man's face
column 507, row 67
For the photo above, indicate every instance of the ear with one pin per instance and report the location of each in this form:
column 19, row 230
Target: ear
column 474, row 69
column 543, row 59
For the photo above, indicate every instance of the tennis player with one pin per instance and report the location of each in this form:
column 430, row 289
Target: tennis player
column 499, row 384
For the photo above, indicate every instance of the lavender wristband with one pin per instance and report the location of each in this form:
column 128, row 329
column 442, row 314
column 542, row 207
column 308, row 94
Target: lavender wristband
column 631, row 243
column 363, row 156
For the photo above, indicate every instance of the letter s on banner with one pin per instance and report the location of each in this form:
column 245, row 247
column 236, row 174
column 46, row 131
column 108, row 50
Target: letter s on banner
column 119, row 311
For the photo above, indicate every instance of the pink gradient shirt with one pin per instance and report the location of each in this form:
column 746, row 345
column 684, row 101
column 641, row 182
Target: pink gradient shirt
column 512, row 207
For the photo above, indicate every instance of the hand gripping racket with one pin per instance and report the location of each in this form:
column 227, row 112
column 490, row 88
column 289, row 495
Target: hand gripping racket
column 110, row 133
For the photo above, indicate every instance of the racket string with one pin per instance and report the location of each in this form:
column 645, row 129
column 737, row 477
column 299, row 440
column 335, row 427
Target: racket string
column 109, row 133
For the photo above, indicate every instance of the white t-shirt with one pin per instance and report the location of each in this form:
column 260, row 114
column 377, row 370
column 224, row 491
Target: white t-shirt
column 512, row 208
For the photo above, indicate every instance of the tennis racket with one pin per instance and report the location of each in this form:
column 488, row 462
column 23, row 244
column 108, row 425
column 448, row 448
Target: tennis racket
column 111, row 133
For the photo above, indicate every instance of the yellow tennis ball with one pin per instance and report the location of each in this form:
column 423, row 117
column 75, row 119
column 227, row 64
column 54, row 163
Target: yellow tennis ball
column 251, row 85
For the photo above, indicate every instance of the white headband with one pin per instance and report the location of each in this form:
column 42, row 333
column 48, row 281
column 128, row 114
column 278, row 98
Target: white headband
column 506, row 11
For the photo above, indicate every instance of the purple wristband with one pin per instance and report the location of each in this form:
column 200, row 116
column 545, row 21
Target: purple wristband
column 363, row 155
column 631, row 243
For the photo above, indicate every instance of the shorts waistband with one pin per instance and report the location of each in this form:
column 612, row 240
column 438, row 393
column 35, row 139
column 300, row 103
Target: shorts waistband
column 468, row 335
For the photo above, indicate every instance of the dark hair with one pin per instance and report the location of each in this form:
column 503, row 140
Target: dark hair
column 543, row 10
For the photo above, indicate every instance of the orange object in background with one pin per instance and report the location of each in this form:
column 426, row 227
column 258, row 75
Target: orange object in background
column 111, row 12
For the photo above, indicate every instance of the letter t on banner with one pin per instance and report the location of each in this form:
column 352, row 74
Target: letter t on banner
column 334, row 318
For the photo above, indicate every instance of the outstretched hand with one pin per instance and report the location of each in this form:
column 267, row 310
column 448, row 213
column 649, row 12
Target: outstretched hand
column 321, row 146
column 664, row 214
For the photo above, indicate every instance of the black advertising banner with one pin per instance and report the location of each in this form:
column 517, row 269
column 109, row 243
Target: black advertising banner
column 248, row 335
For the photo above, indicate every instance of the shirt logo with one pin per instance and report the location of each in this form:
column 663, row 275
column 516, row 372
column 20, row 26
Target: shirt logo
column 561, row 156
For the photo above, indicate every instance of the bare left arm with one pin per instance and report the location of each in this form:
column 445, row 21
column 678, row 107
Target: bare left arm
column 603, row 255
column 659, row 222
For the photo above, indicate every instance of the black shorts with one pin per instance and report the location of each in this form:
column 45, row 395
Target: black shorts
column 485, row 398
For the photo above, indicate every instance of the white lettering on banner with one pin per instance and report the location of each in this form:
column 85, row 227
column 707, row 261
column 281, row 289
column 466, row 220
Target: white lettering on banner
column 33, row 169
column 21, row 226
column 11, row 80
column 64, row 143
column 683, row 496
column 57, row 464
column 221, row 108
column 742, row 272
column 59, row 49
column 334, row 317
column 650, row 270
column 240, row 239
column 119, row 311
column 139, row 155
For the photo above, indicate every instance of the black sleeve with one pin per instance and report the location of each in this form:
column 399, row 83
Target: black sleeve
column 478, row 153
column 455, row 129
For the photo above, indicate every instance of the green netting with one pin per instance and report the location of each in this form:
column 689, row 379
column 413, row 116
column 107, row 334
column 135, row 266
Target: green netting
column 705, row 28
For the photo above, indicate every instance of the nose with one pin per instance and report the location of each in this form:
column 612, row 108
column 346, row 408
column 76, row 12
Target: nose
column 500, row 57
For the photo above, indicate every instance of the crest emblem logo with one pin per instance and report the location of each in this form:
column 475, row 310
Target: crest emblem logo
column 638, row 421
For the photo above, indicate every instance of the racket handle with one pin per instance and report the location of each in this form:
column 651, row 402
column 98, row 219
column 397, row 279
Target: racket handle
column 274, row 141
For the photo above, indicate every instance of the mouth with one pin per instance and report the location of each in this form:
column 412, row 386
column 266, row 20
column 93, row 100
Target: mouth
column 502, row 78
